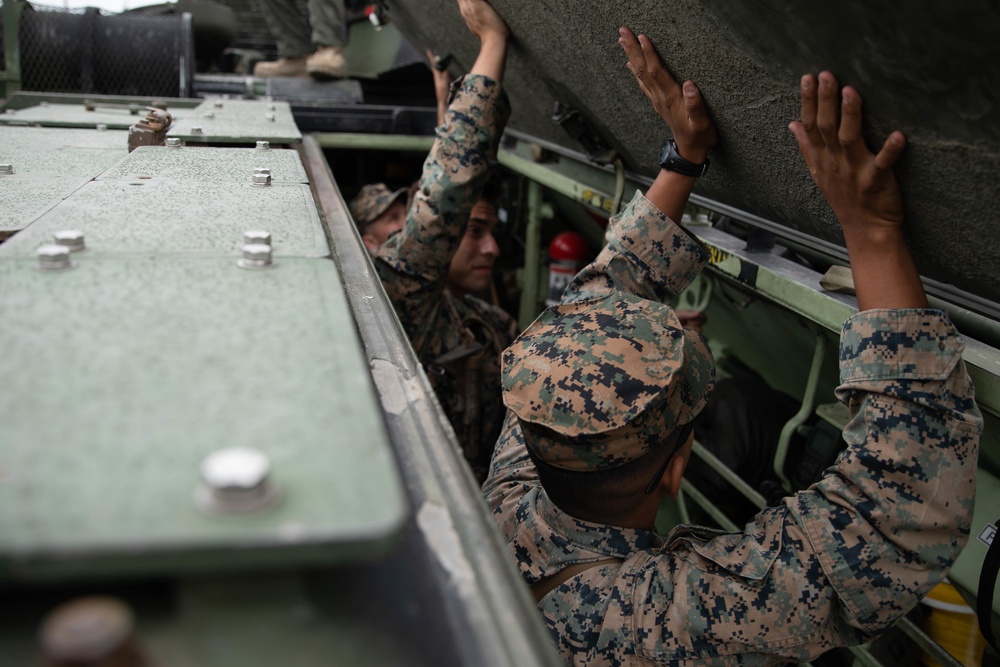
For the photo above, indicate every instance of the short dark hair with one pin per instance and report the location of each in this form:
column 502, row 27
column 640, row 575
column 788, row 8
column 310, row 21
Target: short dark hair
column 601, row 495
column 492, row 189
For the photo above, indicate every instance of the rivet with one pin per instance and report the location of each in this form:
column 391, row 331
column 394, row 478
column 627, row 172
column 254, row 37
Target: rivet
column 43, row 104
column 71, row 238
column 196, row 130
column 101, row 127
column 702, row 219
column 263, row 145
column 257, row 236
column 173, row 142
column 52, row 257
column 6, row 169
column 209, row 114
column 218, row 105
column 269, row 116
column 91, row 630
column 255, row 256
column 235, row 479
column 261, row 176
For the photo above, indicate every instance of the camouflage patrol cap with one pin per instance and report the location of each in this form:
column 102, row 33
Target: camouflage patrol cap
column 598, row 383
column 373, row 201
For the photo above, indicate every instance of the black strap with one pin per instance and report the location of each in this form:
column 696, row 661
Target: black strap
column 984, row 597
column 543, row 587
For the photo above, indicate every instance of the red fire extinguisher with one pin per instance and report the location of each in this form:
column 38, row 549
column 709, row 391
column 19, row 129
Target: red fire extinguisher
column 568, row 252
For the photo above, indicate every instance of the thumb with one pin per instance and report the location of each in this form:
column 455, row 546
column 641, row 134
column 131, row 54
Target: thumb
column 693, row 104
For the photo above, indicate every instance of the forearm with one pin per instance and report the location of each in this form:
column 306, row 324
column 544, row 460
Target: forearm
column 492, row 59
column 885, row 275
column 670, row 193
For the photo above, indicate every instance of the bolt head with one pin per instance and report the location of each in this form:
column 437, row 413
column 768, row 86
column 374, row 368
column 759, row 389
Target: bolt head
column 196, row 130
column 235, row 469
column 6, row 169
column 263, row 145
column 71, row 238
column 218, row 104
column 86, row 630
column 101, row 127
column 173, row 142
column 209, row 114
column 53, row 257
column 257, row 237
column 269, row 116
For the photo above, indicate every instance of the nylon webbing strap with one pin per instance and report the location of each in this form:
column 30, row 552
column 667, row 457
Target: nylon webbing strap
column 987, row 581
column 543, row 587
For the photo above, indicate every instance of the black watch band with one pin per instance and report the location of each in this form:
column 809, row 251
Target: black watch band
column 671, row 160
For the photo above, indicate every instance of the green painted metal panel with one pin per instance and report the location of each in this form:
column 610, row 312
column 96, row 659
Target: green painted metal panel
column 207, row 165
column 122, row 374
column 115, row 115
column 238, row 121
column 173, row 217
column 49, row 165
column 965, row 571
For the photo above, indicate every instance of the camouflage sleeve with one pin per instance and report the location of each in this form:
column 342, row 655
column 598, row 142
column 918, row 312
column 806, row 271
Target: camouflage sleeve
column 512, row 474
column 413, row 263
column 894, row 512
column 839, row 562
column 647, row 255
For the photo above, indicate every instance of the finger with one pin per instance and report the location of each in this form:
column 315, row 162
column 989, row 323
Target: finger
column 807, row 91
column 849, row 133
column 638, row 79
column 649, row 54
column 891, row 150
column 632, row 49
column 806, row 146
column 826, row 111
column 694, row 105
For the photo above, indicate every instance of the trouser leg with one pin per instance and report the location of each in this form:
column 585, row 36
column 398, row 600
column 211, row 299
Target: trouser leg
column 289, row 28
column 327, row 19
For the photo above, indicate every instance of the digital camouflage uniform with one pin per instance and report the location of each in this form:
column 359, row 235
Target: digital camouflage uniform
column 832, row 565
column 457, row 340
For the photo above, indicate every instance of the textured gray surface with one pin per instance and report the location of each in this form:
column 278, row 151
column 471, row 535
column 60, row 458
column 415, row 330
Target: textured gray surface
column 179, row 217
column 929, row 69
column 207, row 165
column 239, row 122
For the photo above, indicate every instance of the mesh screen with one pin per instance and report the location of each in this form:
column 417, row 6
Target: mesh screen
column 89, row 51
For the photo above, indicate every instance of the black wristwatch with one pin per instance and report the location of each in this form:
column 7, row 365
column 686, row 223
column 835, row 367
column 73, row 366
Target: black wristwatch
column 671, row 160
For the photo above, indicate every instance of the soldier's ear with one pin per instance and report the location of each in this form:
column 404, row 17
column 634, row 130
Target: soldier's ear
column 671, row 480
column 370, row 242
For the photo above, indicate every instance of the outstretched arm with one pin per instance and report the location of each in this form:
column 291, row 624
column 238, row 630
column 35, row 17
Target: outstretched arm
column 681, row 108
column 862, row 191
column 442, row 85
column 484, row 22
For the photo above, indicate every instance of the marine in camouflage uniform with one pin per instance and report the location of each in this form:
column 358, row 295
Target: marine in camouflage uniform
column 602, row 379
column 458, row 340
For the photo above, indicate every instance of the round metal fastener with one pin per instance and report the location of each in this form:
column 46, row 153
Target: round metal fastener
column 101, row 127
column 263, row 145
column 87, row 630
column 256, row 256
column 43, row 104
column 218, row 104
column 256, row 236
column 209, row 114
column 6, row 169
column 71, row 238
column 702, row 219
column 173, row 142
column 52, row 257
column 269, row 116
column 234, row 480
column 196, row 130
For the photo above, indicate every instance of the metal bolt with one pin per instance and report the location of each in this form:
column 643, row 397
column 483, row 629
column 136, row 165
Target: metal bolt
column 101, row 127
column 209, row 114
column 91, row 630
column 196, row 130
column 256, row 256
column 43, row 104
column 263, row 145
column 6, row 169
column 686, row 219
column 261, row 176
column 71, row 238
column 52, row 257
column 257, row 237
column 270, row 107
column 10, row 112
column 269, row 116
column 235, row 479
column 702, row 219
column 269, row 98
column 218, row 105
column 173, row 142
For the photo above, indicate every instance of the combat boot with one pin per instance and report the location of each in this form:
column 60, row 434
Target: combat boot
column 327, row 63
column 281, row 67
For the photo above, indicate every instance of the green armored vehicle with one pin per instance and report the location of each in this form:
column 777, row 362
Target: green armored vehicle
column 216, row 446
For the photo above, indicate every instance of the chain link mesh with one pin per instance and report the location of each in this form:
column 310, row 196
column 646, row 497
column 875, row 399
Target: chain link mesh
column 91, row 51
